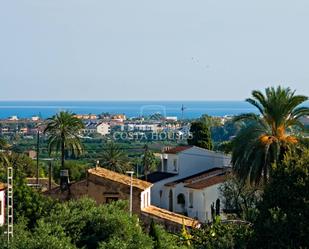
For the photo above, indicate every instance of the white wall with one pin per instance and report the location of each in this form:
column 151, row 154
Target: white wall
column 145, row 198
column 202, row 200
column 189, row 162
column 196, row 160
column 170, row 159
column 202, row 203
column 2, row 211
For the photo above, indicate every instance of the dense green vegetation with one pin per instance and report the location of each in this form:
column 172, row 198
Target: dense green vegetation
column 114, row 158
column 273, row 213
column 283, row 220
column 200, row 135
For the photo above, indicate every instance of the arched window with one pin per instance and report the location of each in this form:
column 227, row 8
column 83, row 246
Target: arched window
column 181, row 199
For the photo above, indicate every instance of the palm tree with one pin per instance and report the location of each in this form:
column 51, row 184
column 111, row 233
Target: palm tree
column 63, row 131
column 149, row 161
column 267, row 136
column 114, row 158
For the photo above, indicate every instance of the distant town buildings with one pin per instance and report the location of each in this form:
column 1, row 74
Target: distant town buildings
column 86, row 116
column 35, row 118
column 119, row 117
column 13, row 118
column 173, row 119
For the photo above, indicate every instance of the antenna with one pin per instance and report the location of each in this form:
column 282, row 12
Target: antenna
column 183, row 108
column 10, row 203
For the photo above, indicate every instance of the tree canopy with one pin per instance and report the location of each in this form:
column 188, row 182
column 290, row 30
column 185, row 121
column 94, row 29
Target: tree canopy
column 63, row 131
column 267, row 137
column 201, row 135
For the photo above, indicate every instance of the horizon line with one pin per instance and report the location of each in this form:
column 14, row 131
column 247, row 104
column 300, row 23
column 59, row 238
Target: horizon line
column 119, row 100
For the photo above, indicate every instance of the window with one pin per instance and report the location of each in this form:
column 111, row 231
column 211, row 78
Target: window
column 181, row 199
column 190, row 199
column 164, row 165
column 175, row 164
column 0, row 207
column 111, row 199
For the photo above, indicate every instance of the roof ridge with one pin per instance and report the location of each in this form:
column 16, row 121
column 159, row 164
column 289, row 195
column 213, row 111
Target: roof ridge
column 206, row 176
column 118, row 177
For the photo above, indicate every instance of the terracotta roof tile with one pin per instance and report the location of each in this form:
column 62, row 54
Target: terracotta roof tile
column 177, row 149
column 2, row 186
column 198, row 176
column 170, row 216
column 121, row 178
column 207, row 182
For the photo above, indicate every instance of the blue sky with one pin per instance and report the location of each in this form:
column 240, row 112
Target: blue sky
column 151, row 50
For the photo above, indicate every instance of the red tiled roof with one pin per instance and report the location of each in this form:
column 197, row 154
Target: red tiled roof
column 170, row 216
column 177, row 149
column 207, row 182
column 2, row 186
column 121, row 178
column 196, row 177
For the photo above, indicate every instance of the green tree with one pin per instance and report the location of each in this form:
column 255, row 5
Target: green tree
column 283, row 220
column 63, row 131
column 239, row 197
column 29, row 205
column 3, row 154
column 99, row 226
column 77, row 169
column 149, row 161
column 222, row 236
column 114, row 158
column 265, row 140
column 201, row 135
column 44, row 236
column 226, row 147
column 162, row 239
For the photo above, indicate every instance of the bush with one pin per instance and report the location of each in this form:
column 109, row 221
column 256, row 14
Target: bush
column 29, row 205
column 163, row 239
column 222, row 236
column 283, row 221
column 89, row 225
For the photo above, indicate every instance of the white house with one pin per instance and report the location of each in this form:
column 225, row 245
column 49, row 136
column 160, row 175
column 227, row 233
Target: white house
column 142, row 127
column 2, row 203
column 103, row 128
column 35, row 118
column 183, row 165
column 13, row 118
column 195, row 194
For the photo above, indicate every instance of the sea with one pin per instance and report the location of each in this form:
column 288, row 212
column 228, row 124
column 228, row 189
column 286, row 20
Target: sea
column 179, row 109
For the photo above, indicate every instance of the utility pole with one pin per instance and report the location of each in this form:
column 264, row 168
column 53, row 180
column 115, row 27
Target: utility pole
column 146, row 161
column 37, row 155
column 131, row 189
